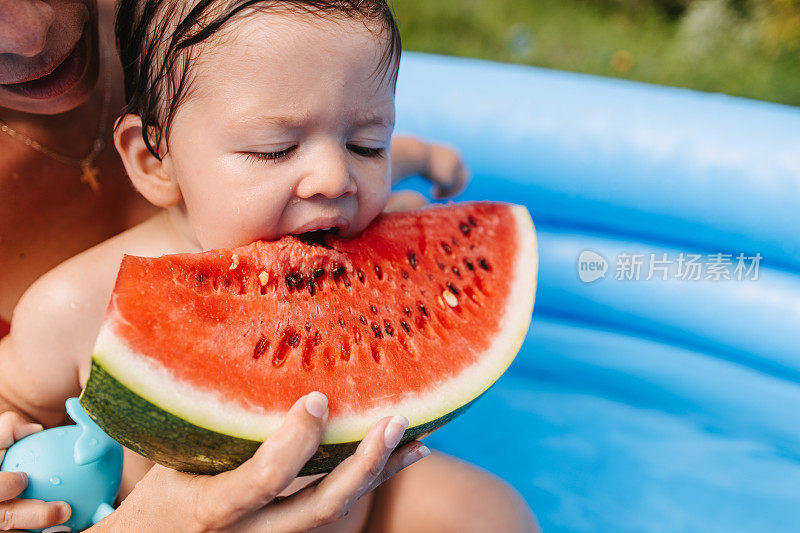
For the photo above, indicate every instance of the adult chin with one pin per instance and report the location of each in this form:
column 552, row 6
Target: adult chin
column 64, row 87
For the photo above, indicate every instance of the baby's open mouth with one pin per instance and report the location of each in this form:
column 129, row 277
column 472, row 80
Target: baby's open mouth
column 318, row 236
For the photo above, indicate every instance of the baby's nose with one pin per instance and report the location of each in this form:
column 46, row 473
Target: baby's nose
column 329, row 176
column 24, row 25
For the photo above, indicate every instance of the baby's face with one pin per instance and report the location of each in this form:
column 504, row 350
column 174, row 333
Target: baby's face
column 286, row 130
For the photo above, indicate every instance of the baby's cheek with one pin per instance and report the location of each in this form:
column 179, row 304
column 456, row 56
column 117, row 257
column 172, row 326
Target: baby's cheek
column 368, row 210
column 225, row 228
column 235, row 218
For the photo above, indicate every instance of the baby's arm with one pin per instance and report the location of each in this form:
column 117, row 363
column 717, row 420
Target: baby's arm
column 51, row 334
column 440, row 164
column 39, row 364
column 46, row 357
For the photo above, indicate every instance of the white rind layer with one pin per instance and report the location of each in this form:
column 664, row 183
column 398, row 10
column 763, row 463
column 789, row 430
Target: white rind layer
column 210, row 411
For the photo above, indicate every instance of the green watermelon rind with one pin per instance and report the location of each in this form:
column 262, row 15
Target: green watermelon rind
column 173, row 442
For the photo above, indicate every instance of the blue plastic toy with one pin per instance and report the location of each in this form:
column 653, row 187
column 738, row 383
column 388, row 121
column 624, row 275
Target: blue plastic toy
column 77, row 464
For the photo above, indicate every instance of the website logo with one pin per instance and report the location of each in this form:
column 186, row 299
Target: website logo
column 591, row 266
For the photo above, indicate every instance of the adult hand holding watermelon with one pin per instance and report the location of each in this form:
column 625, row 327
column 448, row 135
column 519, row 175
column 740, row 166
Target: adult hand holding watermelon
column 246, row 499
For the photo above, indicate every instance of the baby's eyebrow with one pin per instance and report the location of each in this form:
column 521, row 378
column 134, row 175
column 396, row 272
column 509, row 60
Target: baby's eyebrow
column 359, row 119
column 371, row 119
column 256, row 120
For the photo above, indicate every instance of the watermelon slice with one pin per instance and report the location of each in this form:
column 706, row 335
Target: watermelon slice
column 200, row 355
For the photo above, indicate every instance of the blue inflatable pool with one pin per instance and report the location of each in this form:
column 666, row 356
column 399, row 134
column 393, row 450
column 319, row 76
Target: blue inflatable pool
column 659, row 386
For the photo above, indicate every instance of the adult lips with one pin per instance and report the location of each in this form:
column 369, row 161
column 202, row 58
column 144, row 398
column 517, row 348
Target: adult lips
column 65, row 76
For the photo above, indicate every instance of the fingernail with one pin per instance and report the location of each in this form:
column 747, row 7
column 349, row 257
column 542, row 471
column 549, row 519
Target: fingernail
column 415, row 455
column 316, row 404
column 394, row 431
column 24, row 477
column 34, row 428
column 64, row 512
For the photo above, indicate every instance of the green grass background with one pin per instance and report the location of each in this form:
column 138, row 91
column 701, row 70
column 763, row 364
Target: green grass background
column 711, row 45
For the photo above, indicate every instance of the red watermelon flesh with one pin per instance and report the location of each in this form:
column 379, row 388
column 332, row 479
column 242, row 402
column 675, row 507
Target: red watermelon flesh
column 417, row 316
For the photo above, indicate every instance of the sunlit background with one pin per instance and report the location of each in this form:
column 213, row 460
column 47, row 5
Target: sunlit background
column 746, row 48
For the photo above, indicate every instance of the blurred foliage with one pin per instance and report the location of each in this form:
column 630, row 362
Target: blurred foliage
column 741, row 47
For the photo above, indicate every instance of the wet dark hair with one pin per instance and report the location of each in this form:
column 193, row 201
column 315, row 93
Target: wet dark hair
column 155, row 40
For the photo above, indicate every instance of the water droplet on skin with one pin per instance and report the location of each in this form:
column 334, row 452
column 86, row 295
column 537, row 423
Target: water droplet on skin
column 55, row 480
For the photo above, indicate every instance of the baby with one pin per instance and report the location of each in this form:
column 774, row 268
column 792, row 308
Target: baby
column 256, row 120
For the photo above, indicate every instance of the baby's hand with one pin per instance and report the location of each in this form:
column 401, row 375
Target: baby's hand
column 440, row 164
column 16, row 513
column 446, row 171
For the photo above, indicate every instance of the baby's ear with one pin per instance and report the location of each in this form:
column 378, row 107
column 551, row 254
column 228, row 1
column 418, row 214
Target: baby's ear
column 146, row 171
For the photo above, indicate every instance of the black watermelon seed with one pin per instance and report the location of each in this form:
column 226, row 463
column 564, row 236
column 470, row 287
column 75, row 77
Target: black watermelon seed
column 456, row 271
column 405, row 274
column 341, row 321
column 464, row 228
column 389, row 329
column 318, row 272
column 405, row 326
column 446, row 248
column 412, row 260
column 469, row 264
column 377, row 331
column 201, row 277
column 484, row 265
column 261, row 347
column 311, row 285
column 378, row 272
column 297, row 276
column 472, row 221
column 360, row 276
column 422, row 308
column 289, row 282
column 308, row 326
column 441, row 266
column 452, row 288
column 338, row 270
column 363, row 319
column 294, row 340
column 407, row 310
column 373, row 308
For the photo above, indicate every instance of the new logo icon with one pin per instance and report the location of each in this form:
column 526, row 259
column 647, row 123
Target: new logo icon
column 591, row 266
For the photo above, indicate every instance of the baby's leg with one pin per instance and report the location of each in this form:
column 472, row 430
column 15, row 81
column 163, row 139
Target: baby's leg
column 441, row 494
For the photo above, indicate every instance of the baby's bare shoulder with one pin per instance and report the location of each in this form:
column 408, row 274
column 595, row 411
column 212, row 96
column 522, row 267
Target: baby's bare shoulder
column 69, row 301
column 56, row 322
